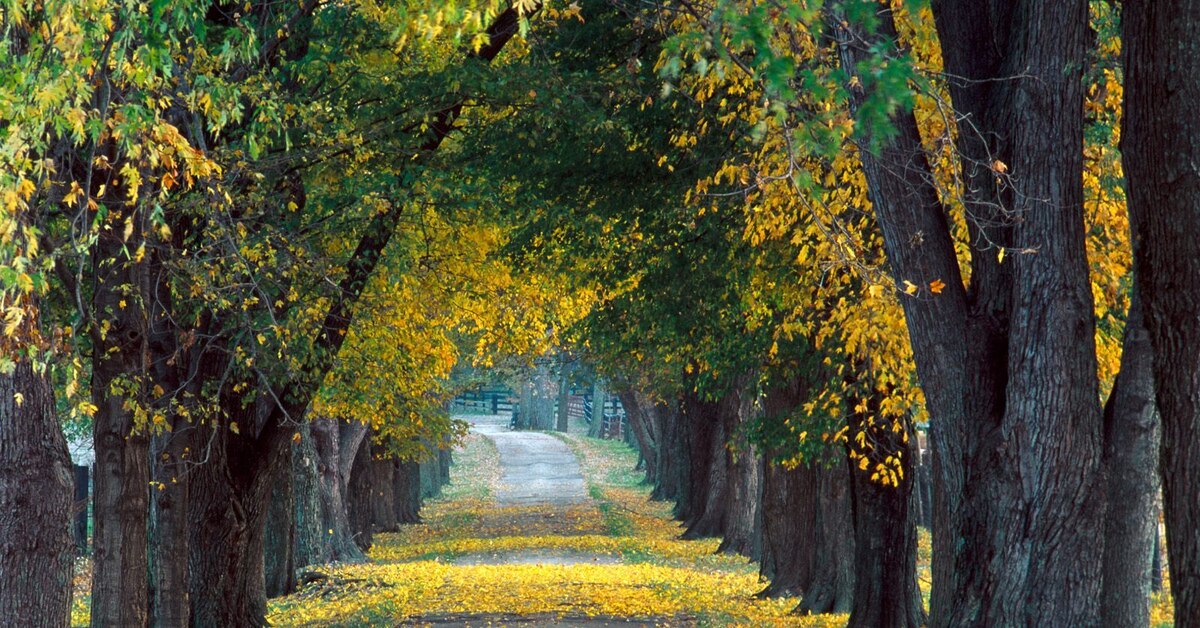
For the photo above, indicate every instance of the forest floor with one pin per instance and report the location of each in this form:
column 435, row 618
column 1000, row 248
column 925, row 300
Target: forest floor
column 547, row 530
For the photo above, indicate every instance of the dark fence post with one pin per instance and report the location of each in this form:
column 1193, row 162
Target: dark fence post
column 80, row 523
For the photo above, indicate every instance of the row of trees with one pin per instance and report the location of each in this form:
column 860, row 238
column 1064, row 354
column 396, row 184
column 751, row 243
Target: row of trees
column 198, row 200
column 784, row 233
column 811, row 226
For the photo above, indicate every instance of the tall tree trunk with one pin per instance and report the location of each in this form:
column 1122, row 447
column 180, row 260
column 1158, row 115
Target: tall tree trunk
column 562, row 412
column 789, row 506
column 121, row 486
column 383, row 492
column 334, row 480
column 309, row 546
column 36, row 552
column 169, row 533
column 637, row 410
column 1131, row 441
column 1161, row 44
column 886, row 594
column 831, row 585
column 358, row 495
column 704, row 504
column 672, row 456
column 1008, row 368
column 743, row 531
column 279, row 571
column 231, row 496
column 599, row 398
column 408, row 491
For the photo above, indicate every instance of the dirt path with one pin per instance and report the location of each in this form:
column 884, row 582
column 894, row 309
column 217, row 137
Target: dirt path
column 535, row 468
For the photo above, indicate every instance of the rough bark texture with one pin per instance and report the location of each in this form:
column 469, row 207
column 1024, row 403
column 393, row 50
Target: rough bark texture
column 743, row 524
column 36, row 552
column 407, row 491
column 334, row 480
column 830, row 588
column 383, row 494
column 672, row 454
column 231, row 496
column 885, row 540
column 1131, row 441
column 1161, row 150
column 121, row 485
column 79, row 509
column 789, row 507
column 358, row 496
column 279, row 571
column 704, row 503
column 169, row 536
column 309, row 547
column 1008, row 367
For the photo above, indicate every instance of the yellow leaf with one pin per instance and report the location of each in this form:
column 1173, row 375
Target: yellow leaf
column 233, row 427
column 909, row 287
column 936, row 286
column 19, row 398
column 1000, row 257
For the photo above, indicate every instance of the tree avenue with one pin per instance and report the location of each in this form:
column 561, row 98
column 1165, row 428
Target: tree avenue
column 852, row 269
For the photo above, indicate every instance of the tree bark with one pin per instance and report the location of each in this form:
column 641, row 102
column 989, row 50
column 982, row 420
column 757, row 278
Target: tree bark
column 358, row 495
column 36, row 552
column 831, row 585
column 703, row 506
column 309, row 546
column 637, row 410
column 885, row 537
column 279, row 571
column 743, row 525
column 599, row 397
column 407, row 491
column 1131, row 441
column 1008, row 368
column 169, row 532
column 121, row 486
column 383, row 493
column 332, row 453
column 1161, row 45
column 672, row 456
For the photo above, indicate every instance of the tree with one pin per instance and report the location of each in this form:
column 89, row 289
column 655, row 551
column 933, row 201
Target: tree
column 1161, row 122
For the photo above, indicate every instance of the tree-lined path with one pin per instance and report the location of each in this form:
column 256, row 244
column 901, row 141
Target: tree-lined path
column 580, row 545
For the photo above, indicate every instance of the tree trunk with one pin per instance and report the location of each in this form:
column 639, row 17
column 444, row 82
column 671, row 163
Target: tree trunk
column 36, row 552
column 383, row 492
column 743, row 531
column 640, row 422
column 79, row 509
column 673, row 470
column 789, row 506
column 832, row 582
column 231, row 496
column 599, row 396
column 562, row 413
column 169, row 533
column 333, row 482
column 1131, row 441
column 1008, row 368
column 885, row 537
column 407, row 493
column 309, row 546
column 358, row 495
column 1161, row 44
column 279, row 571
column 704, row 505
